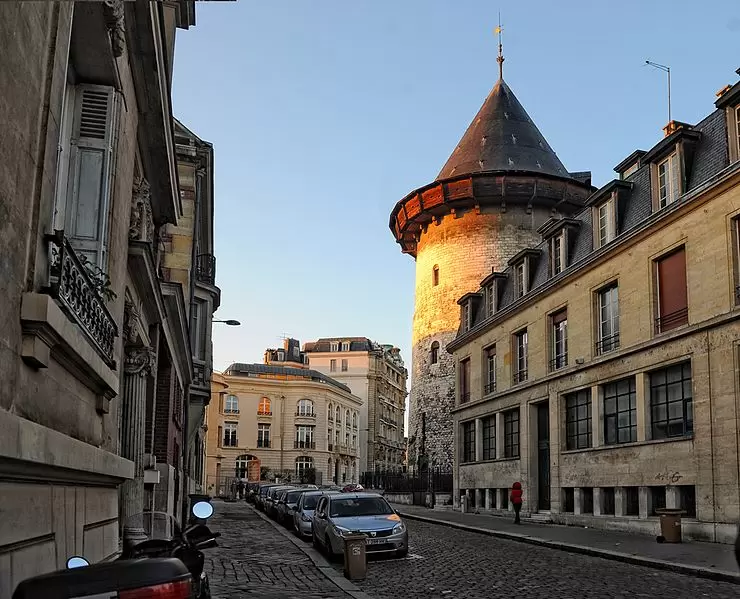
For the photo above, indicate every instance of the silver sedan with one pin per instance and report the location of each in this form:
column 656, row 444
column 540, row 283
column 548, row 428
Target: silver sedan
column 344, row 514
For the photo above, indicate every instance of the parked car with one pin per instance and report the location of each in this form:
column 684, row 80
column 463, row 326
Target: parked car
column 286, row 505
column 259, row 498
column 271, row 499
column 252, row 490
column 339, row 515
column 303, row 513
column 353, row 488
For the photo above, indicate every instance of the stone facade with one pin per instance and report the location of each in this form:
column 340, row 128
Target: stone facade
column 86, row 184
column 377, row 375
column 604, row 429
column 280, row 416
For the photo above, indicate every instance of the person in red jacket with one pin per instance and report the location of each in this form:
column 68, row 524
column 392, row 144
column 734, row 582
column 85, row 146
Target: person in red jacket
column 516, row 500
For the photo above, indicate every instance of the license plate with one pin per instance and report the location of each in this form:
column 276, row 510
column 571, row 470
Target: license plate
column 374, row 541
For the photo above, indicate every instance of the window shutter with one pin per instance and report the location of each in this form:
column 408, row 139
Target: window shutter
column 672, row 295
column 675, row 177
column 91, row 171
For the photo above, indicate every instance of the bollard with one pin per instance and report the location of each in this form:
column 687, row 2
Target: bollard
column 355, row 557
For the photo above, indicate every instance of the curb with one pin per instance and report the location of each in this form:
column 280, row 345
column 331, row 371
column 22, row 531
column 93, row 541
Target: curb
column 696, row 571
column 317, row 559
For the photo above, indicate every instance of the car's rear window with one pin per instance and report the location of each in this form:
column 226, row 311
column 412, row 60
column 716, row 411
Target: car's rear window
column 310, row 501
column 359, row 506
column 293, row 496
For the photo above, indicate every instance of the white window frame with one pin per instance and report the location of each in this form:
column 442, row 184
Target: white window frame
column 608, row 317
column 520, row 278
column 263, row 434
column 332, row 365
column 231, row 427
column 605, row 223
column 490, row 299
column 521, row 354
column 305, row 407
column 231, row 404
column 669, row 180
column 345, row 345
column 334, row 346
column 466, row 316
column 305, row 433
column 302, row 463
column 557, row 253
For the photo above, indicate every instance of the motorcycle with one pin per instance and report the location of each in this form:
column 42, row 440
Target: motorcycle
column 166, row 562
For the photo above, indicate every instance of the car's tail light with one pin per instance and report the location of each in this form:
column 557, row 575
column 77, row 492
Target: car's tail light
column 169, row 590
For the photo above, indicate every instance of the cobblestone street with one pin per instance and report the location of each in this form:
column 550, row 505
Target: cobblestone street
column 255, row 560
column 456, row 564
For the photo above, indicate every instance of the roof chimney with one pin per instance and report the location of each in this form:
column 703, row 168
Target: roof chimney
column 674, row 126
column 724, row 90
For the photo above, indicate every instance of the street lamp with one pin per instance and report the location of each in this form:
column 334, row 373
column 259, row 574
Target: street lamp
column 230, row 322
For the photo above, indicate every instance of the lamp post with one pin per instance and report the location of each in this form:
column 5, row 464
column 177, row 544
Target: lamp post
column 229, row 323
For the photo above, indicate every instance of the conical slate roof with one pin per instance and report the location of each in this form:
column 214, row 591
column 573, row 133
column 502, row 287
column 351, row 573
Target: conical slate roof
column 502, row 137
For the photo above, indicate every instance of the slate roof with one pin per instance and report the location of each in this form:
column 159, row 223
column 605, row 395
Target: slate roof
column 265, row 369
column 324, row 344
column 502, row 137
column 710, row 157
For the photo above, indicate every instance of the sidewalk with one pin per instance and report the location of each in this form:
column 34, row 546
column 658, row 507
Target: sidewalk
column 707, row 560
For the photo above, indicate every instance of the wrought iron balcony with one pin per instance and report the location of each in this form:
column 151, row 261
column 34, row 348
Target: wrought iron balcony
column 673, row 320
column 465, row 397
column 304, row 445
column 205, row 268
column 558, row 362
column 490, row 387
column 71, row 285
column 607, row 344
column 520, row 376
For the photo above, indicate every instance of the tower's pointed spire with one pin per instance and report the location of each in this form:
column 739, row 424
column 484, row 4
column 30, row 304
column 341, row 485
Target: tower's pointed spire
column 500, row 59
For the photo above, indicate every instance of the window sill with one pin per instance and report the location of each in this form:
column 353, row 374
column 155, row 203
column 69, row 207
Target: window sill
column 48, row 333
column 493, row 461
column 627, row 445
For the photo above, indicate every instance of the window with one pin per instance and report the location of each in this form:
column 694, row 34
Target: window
column 264, row 408
column 687, row 499
column 434, row 352
column 344, row 365
column 490, row 381
column 657, row 500
column 305, row 408
column 197, row 324
column 631, row 501
column 334, row 346
column 468, row 437
column 347, row 418
column 464, row 380
column 737, row 132
column 354, row 441
column 620, row 412
column 490, row 299
column 241, row 466
column 520, row 356
column 568, row 500
column 302, row 465
column 559, row 342
column 511, row 434
column 608, row 319
column 466, row 315
column 587, row 500
column 630, row 169
column 304, row 437
column 671, row 406
column 86, row 155
column 520, row 279
column 435, row 275
column 332, row 365
column 669, row 174
column 230, row 434
column 673, row 307
column 231, row 405
column 489, row 438
column 605, row 224
column 330, row 411
column 607, row 501
column 578, row 420
column 345, row 345
column 338, row 415
column 557, row 254
column 263, row 435
column 354, row 420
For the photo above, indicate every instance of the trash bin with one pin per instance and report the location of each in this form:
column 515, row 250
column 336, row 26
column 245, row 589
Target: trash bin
column 355, row 557
column 670, row 524
column 465, row 504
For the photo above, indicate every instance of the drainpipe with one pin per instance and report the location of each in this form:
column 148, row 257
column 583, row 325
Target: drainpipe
column 282, row 429
column 711, row 436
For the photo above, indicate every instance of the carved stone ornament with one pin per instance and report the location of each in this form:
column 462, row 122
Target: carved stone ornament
column 140, row 360
column 141, row 227
column 116, row 25
column 130, row 322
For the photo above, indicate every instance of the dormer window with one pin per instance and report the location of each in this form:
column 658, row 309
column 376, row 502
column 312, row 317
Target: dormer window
column 669, row 187
column 490, row 299
column 334, row 346
column 557, row 253
column 728, row 99
column 345, row 345
column 466, row 316
column 521, row 285
column 468, row 303
column 630, row 170
column 606, row 225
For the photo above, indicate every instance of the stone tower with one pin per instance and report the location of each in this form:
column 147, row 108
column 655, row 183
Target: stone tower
column 501, row 183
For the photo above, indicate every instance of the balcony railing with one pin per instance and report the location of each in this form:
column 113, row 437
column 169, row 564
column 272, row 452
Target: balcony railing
column 465, row 397
column 205, row 268
column 672, row 321
column 558, row 362
column 305, row 414
column 231, row 411
column 489, row 387
column 262, row 443
column 70, row 284
column 264, row 412
column 607, row 344
column 520, row 376
column 304, row 445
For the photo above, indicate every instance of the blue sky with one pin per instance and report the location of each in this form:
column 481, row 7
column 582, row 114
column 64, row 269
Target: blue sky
column 324, row 113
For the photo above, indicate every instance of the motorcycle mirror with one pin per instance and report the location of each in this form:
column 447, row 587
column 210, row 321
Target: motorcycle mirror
column 203, row 510
column 77, row 562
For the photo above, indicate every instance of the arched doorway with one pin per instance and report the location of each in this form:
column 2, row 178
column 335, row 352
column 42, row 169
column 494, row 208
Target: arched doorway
column 247, row 467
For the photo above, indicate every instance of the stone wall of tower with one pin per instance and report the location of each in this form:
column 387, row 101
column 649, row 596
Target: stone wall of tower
column 464, row 247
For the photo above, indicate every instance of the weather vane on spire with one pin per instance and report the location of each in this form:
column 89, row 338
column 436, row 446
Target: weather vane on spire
column 500, row 59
